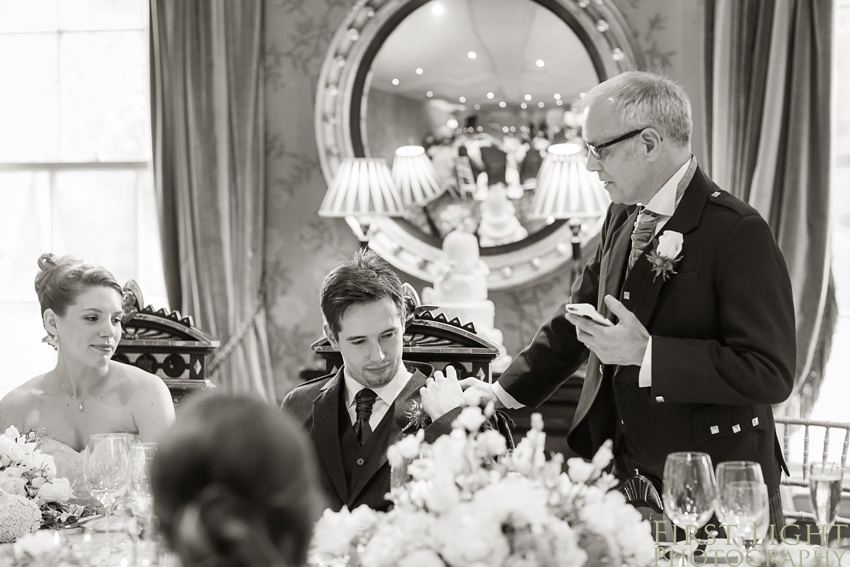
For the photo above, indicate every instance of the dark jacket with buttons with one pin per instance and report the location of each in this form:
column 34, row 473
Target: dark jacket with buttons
column 723, row 340
column 317, row 405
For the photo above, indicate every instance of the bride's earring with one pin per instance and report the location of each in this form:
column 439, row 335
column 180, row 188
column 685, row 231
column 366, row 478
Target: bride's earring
column 51, row 340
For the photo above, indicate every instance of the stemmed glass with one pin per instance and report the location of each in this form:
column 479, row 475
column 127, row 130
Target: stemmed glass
column 743, row 504
column 825, row 489
column 106, row 466
column 141, row 458
column 690, row 490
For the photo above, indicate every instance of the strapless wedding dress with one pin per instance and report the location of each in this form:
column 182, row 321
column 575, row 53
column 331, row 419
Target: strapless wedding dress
column 69, row 464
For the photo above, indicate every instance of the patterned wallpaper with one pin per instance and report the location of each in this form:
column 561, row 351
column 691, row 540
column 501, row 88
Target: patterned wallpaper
column 302, row 247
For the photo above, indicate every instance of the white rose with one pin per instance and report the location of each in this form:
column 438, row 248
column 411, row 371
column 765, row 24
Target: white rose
column 421, row 469
column 421, row 558
column 670, row 244
column 580, row 470
column 470, row 418
column 604, row 455
column 444, row 494
column 11, row 449
column 492, row 443
column 12, row 432
column 15, row 486
column 58, row 490
column 464, row 539
column 32, row 546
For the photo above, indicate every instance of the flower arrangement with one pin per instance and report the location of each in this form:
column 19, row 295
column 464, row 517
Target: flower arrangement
column 31, row 495
column 666, row 255
column 465, row 500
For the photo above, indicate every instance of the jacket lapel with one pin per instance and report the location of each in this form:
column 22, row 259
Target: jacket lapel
column 641, row 284
column 399, row 419
column 613, row 264
column 325, row 432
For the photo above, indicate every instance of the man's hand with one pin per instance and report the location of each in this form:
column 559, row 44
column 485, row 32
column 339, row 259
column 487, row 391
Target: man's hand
column 623, row 344
column 441, row 393
column 479, row 393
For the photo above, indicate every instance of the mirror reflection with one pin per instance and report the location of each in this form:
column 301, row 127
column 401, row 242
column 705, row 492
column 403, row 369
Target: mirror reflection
column 485, row 87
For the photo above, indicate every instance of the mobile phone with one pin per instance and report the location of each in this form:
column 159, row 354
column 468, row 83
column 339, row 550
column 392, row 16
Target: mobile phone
column 587, row 311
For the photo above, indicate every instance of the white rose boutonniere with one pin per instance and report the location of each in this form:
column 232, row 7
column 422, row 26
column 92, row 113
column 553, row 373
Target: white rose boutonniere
column 666, row 255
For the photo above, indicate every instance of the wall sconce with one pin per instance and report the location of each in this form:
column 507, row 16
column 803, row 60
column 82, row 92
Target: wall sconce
column 362, row 189
column 567, row 190
column 415, row 177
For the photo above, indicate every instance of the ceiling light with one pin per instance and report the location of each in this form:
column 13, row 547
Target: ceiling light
column 419, row 71
column 429, row 94
column 503, row 104
column 472, row 55
column 505, row 129
column 490, row 95
column 437, row 9
column 451, row 123
column 523, row 106
column 528, row 97
column 557, row 96
column 559, row 102
column 395, row 81
column 477, row 107
column 540, row 63
column 462, row 99
column 581, row 95
column 540, row 104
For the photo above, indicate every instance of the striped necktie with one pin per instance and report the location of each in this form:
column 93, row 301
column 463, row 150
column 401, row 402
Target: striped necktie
column 642, row 234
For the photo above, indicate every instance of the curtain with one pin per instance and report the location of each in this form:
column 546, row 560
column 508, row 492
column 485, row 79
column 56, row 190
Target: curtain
column 769, row 67
column 208, row 113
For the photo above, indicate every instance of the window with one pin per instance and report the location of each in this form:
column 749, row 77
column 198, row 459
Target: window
column 75, row 172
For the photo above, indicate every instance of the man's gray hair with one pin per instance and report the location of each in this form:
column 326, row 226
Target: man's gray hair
column 645, row 99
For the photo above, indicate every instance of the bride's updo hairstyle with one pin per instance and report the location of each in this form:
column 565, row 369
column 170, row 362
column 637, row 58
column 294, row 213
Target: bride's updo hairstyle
column 61, row 279
column 234, row 485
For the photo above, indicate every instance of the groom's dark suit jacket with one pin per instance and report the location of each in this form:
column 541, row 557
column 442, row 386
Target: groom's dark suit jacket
column 723, row 341
column 319, row 406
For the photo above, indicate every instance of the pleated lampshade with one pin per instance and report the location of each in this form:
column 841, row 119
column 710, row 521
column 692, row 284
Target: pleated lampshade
column 363, row 187
column 415, row 177
column 565, row 188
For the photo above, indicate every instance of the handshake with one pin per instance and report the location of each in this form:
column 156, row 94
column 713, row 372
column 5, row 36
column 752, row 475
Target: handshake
column 443, row 392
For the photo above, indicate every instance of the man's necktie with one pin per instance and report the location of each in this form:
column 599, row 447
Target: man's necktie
column 642, row 234
column 364, row 400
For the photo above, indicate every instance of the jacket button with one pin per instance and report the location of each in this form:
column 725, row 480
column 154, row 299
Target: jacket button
column 659, row 399
column 360, row 462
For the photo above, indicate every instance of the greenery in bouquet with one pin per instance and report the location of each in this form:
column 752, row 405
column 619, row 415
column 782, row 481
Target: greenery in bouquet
column 31, row 495
column 465, row 500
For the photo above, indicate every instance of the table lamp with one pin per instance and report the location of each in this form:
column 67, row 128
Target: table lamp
column 567, row 190
column 362, row 189
column 415, row 177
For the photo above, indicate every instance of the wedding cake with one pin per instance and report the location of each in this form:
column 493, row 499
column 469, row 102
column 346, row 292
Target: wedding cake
column 460, row 289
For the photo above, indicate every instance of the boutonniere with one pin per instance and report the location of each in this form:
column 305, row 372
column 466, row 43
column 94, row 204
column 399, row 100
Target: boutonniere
column 666, row 255
column 417, row 418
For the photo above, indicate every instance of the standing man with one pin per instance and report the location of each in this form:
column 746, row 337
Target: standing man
column 354, row 415
column 704, row 335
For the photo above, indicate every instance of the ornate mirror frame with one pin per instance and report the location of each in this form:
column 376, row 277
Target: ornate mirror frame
column 340, row 114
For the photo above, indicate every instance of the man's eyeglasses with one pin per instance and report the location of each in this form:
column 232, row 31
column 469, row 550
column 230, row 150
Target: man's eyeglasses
column 595, row 149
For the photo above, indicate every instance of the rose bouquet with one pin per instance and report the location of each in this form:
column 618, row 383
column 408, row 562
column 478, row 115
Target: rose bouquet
column 465, row 500
column 31, row 495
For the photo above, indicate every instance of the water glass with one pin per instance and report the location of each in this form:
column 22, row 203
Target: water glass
column 141, row 459
column 106, row 467
column 743, row 502
column 690, row 490
column 825, row 490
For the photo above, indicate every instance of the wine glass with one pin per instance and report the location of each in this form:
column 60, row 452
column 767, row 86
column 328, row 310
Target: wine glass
column 141, row 458
column 825, row 490
column 690, row 490
column 743, row 503
column 106, row 467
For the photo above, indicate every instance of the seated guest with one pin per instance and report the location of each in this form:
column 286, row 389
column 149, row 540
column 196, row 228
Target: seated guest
column 355, row 414
column 86, row 392
column 233, row 485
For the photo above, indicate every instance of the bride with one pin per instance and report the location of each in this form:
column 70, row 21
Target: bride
column 86, row 392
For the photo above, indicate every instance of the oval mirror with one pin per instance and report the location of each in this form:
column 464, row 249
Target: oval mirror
column 464, row 98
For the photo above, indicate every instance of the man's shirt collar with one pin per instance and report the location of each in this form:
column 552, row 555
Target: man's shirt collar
column 386, row 393
column 665, row 200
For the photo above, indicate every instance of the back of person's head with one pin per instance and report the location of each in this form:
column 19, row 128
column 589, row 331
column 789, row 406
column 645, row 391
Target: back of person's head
column 61, row 279
column 234, row 485
column 644, row 99
column 366, row 278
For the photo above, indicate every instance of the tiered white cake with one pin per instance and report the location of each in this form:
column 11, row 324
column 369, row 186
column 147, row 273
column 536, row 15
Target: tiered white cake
column 460, row 289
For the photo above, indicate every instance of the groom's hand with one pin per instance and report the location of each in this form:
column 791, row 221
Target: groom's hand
column 441, row 393
column 623, row 344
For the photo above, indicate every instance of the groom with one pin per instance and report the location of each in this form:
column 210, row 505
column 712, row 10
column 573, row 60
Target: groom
column 354, row 415
column 704, row 334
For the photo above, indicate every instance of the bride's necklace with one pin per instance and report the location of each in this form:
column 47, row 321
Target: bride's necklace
column 78, row 399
